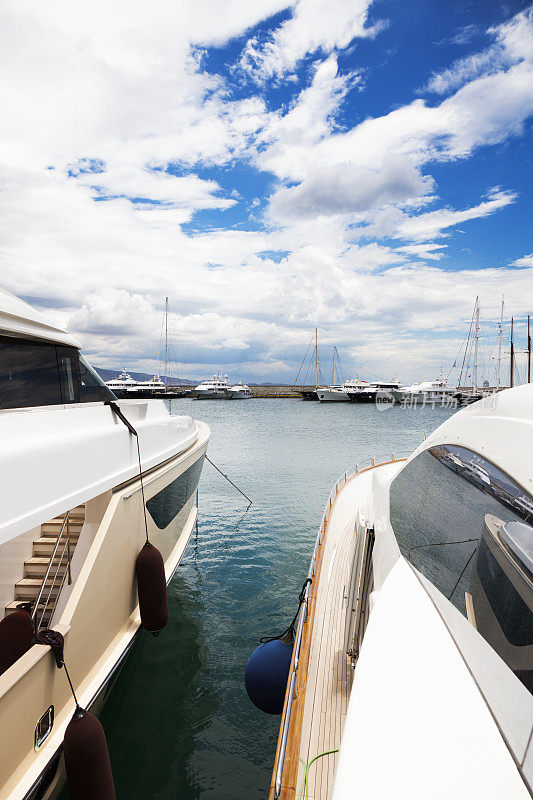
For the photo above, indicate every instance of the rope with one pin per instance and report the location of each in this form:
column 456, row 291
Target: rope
column 56, row 642
column 228, row 480
column 291, row 628
column 142, row 489
column 305, row 782
column 114, row 407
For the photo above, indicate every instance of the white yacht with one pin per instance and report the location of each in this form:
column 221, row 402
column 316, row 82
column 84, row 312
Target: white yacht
column 411, row 675
column 212, row 389
column 125, row 386
column 337, row 394
column 240, row 391
column 427, row 393
column 374, row 391
column 89, row 484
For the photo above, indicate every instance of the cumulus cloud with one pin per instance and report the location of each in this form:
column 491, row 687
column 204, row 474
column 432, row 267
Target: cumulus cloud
column 346, row 188
column 310, row 28
column 109, row 132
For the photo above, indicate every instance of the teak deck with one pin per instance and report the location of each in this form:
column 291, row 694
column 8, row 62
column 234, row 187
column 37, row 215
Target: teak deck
column 329, row 673
column 325, row 673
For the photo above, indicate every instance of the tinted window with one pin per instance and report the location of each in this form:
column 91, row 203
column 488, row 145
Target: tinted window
column 92, row 386
column 28, row 374
column 468, row 527
column 167, row 504
column 43, row 374
column 69, row 374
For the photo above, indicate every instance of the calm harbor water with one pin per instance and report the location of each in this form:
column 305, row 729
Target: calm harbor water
column 178, row 721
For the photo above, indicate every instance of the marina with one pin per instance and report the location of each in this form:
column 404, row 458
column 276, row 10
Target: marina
column 238, row 580
column 266, row 401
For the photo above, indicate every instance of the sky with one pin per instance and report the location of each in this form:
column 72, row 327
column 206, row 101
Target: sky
column 360, row 167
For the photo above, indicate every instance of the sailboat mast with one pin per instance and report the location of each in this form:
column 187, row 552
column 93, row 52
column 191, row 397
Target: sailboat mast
column 511, row 382
column 334, row 355
column 316, row 358
column 476, row 345
column 528, row 352
column 500, row 350
column 166, row 340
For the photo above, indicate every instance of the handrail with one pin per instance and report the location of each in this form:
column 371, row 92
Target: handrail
column 369, row 463
column 66, row 547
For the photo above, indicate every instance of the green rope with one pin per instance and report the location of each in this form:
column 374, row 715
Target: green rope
column 305, row 782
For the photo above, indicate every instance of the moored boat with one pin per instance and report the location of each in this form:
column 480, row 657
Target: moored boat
column 375, row 391
column 86, row 480
column 415, row 634
column 214, row 388
column 336, row 394
column 240, row 391
column 426, row 393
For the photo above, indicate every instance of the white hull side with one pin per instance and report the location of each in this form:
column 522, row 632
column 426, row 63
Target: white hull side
column 209, row 395
column 235, row 394
column 331, row 396
column 99, row 622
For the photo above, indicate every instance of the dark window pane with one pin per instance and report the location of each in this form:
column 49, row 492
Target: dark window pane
column 468, row 527
column 92, row 386
column 69, row 373
column 167, row 504
column 28, row 374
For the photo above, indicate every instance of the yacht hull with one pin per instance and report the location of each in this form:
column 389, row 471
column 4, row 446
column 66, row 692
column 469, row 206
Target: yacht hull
column 362, row 397
column 209, row 395
column 332, row 396
column 99, row 618
column 237, row 395
column 425, row 399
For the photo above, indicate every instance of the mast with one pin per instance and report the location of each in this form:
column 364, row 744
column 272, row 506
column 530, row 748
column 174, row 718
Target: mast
column 316, row 358
column 166, row 340
column 474, row 388
column 500, row 349
column 511, row 383
column 334, row 354
column 528, row 352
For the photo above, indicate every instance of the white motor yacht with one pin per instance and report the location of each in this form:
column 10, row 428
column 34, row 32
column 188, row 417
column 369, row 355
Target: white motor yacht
column 240, row 391
column 74, row 518
column 337, row 394
column 212, row 389
column 412, row 667
column 375, row 391
column 427, row 393
column 125, row 386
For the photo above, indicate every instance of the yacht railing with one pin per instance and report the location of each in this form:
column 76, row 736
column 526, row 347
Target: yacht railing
column 360, row 467
column 58, row 579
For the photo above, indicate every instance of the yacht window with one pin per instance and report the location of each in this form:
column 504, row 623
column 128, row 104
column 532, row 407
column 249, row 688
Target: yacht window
column 468, row 527
column 167, row 503
column 43, row 374
column 28, row 374
column 92, row 386
column 69, row 374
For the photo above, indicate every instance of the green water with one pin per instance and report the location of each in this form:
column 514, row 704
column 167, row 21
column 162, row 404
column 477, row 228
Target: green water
column 178, row 721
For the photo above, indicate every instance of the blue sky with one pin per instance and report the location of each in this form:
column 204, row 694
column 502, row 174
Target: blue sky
column 362, row 167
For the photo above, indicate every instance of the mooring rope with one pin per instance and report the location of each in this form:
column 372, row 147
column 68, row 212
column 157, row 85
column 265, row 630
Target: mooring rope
column 229, row 480
column 114, row 407
column 56, row 642
column 291, row 628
